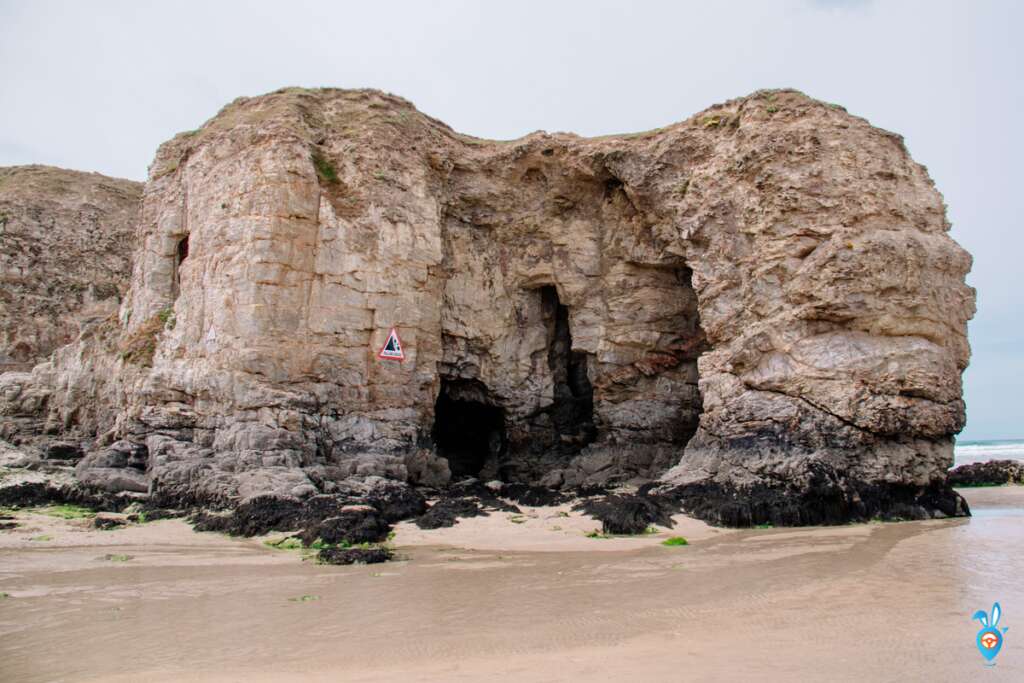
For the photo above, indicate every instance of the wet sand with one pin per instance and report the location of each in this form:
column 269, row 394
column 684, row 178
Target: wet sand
column 496, row 599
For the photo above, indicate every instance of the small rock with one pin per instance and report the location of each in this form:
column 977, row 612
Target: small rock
column 63, row 450
column 303, row 491
column 445, row 513
column 106, row 523
column 355, row 555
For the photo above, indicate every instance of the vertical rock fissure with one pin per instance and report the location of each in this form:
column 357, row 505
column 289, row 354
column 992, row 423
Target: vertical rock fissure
column 689, row 349
column 572, row 411
column 180, row 254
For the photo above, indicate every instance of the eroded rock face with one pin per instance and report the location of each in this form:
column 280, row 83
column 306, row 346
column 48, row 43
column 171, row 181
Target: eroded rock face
column 758, row 295
column 991, row 473
column 66, row 243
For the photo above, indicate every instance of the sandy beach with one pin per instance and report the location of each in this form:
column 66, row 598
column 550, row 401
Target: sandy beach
column 526, row 600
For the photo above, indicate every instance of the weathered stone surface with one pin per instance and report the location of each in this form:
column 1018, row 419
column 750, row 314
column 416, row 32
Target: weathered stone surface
column 628, row 514
column 447, row 511
column 991, row 473
column 355, row 555
column 746, row 299
column 353, row 525
column 66, row 242
column 113, row 479
column 63, row 450
column 108, row 522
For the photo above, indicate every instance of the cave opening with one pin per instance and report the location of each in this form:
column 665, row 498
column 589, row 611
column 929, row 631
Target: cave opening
column 572, row 410
column 180, row 254
column 469, row 432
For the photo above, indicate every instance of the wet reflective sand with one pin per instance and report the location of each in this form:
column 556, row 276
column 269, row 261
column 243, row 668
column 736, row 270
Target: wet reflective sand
column 869, row 602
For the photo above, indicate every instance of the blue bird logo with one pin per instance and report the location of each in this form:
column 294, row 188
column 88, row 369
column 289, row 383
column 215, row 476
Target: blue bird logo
column 990, row 637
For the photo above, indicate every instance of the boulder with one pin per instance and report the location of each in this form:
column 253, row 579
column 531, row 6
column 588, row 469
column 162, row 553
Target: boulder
column 113, row 479
column 354, row 555
column 355, row 524
column 446, row 513
column 991, row 473
column 63, row 450
column 627, row 513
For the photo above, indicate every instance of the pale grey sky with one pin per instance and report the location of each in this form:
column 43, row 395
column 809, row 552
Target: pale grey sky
column 98, row 85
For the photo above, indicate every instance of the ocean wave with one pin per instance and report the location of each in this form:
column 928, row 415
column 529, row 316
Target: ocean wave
column 969, row 452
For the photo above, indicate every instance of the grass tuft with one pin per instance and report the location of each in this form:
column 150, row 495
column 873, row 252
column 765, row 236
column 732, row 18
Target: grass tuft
column 139, row 346
column 324, row 168
column 67, row 512
column 286, row 543
column 304, row 598
column 675, row 541
column 117, row 557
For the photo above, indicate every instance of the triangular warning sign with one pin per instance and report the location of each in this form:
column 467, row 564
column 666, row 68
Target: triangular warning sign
column 392, row 349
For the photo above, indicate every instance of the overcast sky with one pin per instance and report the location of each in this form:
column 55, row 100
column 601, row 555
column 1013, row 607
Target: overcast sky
column 98, row 85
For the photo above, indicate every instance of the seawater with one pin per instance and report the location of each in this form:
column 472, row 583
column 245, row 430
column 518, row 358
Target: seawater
column 967, row 452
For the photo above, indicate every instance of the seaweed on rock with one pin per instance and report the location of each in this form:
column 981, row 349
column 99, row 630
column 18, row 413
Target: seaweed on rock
column 629, row 513
column 355, row 555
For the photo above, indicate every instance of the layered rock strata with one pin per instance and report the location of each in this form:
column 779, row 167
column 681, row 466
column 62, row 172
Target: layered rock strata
column 760, row 304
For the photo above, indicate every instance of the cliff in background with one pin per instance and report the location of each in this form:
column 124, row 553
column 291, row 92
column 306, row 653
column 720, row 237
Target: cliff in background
column 66, row 243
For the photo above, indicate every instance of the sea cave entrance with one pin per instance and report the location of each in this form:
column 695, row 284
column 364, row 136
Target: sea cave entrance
column 468, row 431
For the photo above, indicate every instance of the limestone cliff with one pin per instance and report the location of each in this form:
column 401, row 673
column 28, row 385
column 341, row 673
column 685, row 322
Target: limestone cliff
column 66, row 242
column 760, row 303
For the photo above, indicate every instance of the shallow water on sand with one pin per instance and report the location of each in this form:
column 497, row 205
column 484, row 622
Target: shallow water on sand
column 866, row 602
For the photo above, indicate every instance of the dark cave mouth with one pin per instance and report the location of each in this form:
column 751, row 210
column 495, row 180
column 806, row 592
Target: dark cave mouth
column 468, row 432
column 481, row 436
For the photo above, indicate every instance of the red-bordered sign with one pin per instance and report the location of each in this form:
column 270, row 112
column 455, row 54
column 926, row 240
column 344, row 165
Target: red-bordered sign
column 392, row 349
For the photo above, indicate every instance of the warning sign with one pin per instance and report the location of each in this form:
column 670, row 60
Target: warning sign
column 392, row 349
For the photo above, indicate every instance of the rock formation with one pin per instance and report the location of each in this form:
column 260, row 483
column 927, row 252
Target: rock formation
column 759, row 304
column 990, row 473
column 66, row 242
